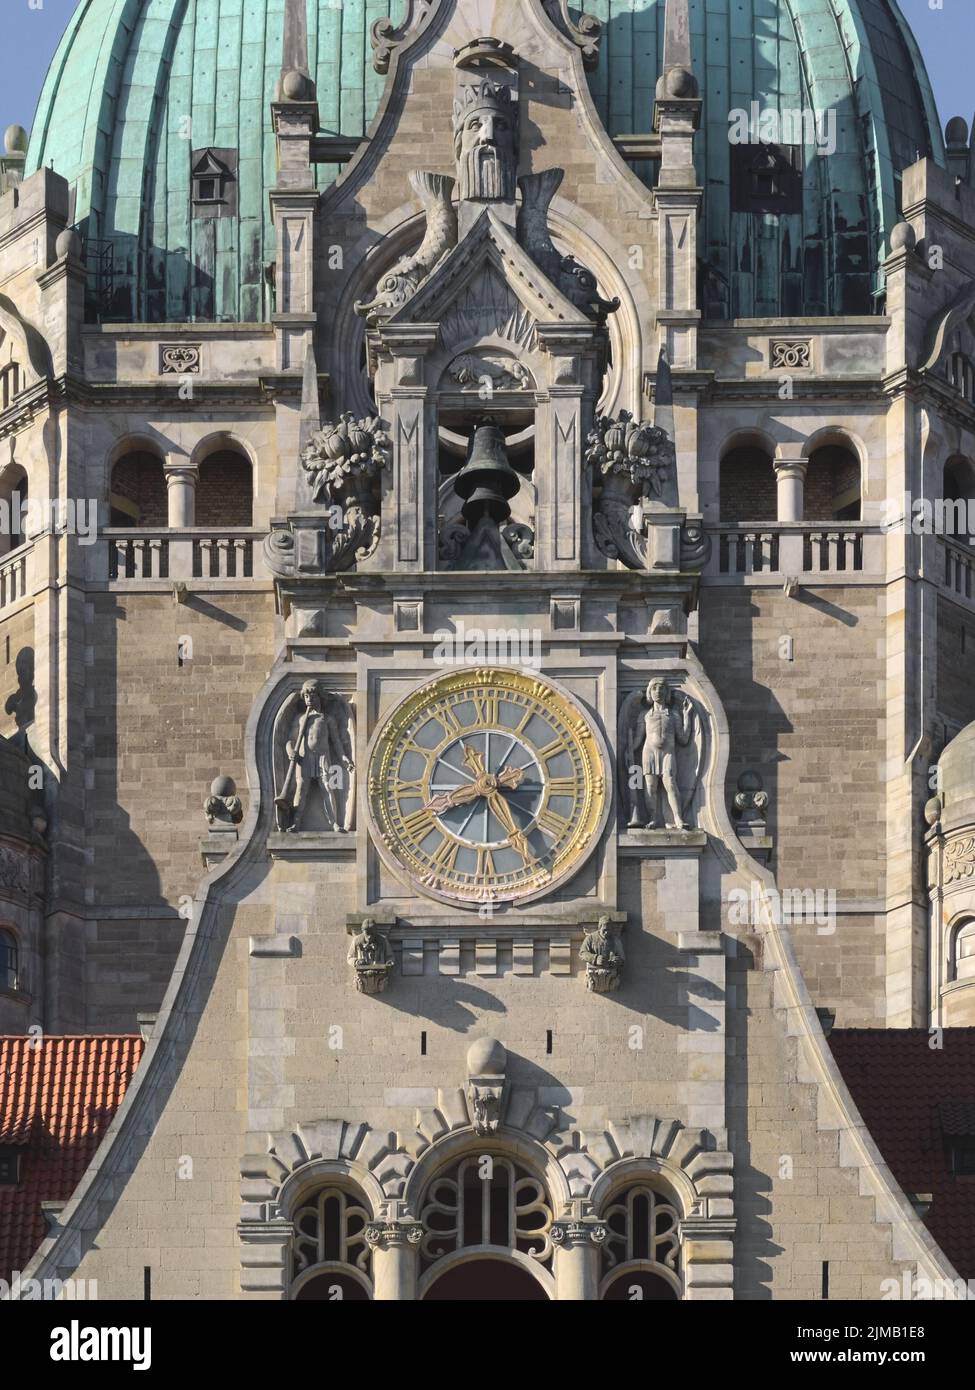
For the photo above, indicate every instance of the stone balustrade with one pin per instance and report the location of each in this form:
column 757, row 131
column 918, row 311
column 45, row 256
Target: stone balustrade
column 13, row 576
column 187, row 553
column 957, row 568
column 740, row 550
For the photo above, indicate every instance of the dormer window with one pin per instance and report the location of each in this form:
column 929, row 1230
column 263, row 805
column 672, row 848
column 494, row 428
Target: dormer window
column 214, row 175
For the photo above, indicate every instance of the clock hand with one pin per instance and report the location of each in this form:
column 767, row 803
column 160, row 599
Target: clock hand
column 516, row 838
column 460, row 796
column 474, row 760
column 511, row 778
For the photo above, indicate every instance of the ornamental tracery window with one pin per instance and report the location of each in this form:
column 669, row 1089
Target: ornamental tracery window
column 489, row 1202
column 641, row 1253
column 330, row 1232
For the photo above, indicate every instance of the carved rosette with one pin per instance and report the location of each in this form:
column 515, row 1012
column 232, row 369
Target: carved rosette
column 633, row 461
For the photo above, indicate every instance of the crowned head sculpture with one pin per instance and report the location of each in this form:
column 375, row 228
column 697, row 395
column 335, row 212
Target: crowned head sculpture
column 486, row 141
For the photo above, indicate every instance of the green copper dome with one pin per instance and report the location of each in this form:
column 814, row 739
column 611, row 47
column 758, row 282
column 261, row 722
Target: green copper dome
column 141, row 91
column 136, row 88
column 820, row 251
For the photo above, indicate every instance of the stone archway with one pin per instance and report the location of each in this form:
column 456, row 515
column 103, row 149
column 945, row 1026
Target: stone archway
column 485, row 1279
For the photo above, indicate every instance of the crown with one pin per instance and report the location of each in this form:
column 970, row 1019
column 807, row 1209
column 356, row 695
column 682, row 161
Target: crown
column 473, row 95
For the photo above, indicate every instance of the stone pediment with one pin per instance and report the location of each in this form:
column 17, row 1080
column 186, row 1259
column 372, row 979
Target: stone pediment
column 488, row 276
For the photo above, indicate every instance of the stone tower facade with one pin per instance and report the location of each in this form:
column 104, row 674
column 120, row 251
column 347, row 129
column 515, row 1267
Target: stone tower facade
column 489, row 728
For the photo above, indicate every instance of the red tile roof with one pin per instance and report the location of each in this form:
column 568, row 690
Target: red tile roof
column 57, row 1097
column 914, row 1098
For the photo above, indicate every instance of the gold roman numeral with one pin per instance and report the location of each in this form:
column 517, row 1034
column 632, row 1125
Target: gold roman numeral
column 552, row 824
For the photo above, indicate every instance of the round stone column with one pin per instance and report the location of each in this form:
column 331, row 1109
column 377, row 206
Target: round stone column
column 577, row 1243
column 790, row 474
column 395, row 1249
column 181, row 489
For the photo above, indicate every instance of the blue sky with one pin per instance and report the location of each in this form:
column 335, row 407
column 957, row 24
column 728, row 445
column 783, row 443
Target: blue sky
column 945, row 31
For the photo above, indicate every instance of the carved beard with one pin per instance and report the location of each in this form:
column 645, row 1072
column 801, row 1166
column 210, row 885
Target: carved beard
column 486, row 173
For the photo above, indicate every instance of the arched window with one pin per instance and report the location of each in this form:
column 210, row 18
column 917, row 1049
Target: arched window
column 332, row 1259
column 641, row 1253
column 13, row 502
column 225, row 492
column 963, row 951
column 9, row 384
column 832, row 491
column 9, row 960
column 748, row 486
column 138, row 491
column 486, row 1201
column 958, row 491
column 961, row 374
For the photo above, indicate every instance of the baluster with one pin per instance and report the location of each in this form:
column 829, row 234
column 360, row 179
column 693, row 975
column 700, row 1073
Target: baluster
column 242, row 555
column 224, row 556
column 751, row 544
column 853, row 550
column 154, row 559
column 206, row 558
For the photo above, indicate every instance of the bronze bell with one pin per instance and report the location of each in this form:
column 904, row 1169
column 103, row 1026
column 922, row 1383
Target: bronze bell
column 487, row 482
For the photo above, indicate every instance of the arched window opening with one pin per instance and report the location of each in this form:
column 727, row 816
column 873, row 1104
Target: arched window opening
column 225, row 492
column 9, row 384
column 748, row 486
column 330, row 1232
column 9, row 961
column 641, row 1252
column 489, row 1202
column 963, row 951
column 13, row 509
column 959, row 501
column 961, row 374
column 832, row 491
column 138, row 491
column 484, row 1281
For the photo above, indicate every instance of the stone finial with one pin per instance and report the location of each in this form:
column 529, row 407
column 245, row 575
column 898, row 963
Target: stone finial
column 15, row 140
column 903, row 237
column 68, row 243
column 223, row 808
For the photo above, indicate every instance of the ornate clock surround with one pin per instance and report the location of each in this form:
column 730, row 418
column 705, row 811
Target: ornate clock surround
column 564, row 807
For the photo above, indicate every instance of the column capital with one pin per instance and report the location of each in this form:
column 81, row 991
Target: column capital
column 181, row 472
column 573, row 1231
column 791, row 468
column 384, row 1235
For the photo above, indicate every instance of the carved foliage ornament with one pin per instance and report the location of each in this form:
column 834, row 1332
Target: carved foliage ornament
column 344, row 462
column 180, row 359
column 633, row 461
column 960, row 859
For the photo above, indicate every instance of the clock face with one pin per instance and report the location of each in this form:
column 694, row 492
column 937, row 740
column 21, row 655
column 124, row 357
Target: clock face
column 487, row 786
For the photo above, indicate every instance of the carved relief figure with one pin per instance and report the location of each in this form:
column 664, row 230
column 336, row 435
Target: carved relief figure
column 602, row 952
column 652, row 734
column 371, row 958
column 486, row 141
column 406, row 276
column 313, row 747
